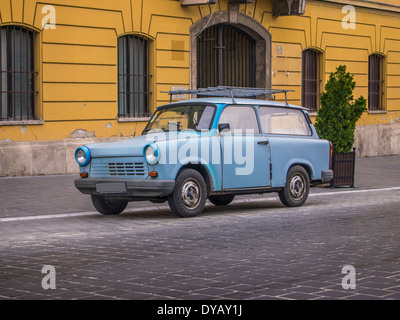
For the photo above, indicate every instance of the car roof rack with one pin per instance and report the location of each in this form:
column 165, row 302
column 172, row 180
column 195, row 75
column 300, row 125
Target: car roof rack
column 230, row 92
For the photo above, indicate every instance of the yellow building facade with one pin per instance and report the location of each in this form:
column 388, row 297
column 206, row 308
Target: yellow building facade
column 74, row 87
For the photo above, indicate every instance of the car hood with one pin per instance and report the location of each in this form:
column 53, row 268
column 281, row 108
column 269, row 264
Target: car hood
column 134, row 146
column 126, row 147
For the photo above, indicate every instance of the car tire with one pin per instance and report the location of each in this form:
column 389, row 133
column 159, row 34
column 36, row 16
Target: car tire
column 297, row 187
column 221, row 200
column 189, row 195
column 108, row 207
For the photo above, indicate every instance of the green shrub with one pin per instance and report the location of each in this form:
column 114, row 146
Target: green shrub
column 337, row 117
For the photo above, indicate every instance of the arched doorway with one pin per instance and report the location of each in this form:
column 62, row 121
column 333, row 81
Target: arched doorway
column 225, row 57
column 230, row 53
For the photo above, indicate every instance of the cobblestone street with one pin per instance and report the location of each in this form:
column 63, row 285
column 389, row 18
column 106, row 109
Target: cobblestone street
column 254, row 248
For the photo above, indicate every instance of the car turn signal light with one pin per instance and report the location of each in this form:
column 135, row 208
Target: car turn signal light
column 84, row 174
column 153, row 174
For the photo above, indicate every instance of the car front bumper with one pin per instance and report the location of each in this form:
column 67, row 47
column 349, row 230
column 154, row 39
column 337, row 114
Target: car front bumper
column 125, row 187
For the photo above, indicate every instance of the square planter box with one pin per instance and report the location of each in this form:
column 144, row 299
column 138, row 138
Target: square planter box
column 343, row 166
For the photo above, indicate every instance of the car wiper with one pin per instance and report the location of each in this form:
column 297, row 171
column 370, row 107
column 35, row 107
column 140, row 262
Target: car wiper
column 152, row 129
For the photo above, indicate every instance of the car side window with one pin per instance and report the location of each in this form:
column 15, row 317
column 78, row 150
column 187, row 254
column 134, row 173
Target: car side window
column 240, row 119
column 283, row 121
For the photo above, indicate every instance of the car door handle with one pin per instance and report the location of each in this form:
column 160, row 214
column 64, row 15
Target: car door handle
column 266, row 142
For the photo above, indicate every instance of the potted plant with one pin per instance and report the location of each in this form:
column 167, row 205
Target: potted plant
column 336, row 122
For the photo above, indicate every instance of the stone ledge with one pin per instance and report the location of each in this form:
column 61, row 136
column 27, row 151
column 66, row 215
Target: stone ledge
column 377, row 140
column 42, row 157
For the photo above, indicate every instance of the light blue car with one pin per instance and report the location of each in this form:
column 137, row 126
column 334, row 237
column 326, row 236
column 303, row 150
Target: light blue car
column 208, row 148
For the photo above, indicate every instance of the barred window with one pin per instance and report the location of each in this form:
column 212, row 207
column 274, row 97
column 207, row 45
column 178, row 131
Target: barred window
column 311, row 80
column 17, row 80
column 226, row 56
column 375, row 82
column 133, row 77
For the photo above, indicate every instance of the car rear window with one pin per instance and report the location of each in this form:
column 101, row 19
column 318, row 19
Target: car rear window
column 276, row 120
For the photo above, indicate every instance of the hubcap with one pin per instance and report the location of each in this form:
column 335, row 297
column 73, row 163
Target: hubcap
column 190, row 194
column 297, row 186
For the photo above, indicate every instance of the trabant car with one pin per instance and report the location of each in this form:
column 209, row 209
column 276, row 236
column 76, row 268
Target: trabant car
column 208, row 148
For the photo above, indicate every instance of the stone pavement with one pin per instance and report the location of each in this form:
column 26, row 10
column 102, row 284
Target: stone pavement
column 253, row 249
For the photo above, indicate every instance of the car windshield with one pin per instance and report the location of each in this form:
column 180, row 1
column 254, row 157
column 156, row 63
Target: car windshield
column 186, row 117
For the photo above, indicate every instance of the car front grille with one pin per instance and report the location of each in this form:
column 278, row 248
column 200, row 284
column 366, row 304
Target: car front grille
column 127, row 167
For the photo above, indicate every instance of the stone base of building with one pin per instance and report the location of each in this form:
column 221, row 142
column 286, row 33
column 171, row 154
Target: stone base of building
column 57, row 157
column 377, row 140
column 41, row 157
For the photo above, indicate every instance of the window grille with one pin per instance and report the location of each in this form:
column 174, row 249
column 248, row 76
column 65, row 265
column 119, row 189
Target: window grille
column 375, row 82
column 133, row 77
column 311, row 80
column 17, row 80
column 225, row 57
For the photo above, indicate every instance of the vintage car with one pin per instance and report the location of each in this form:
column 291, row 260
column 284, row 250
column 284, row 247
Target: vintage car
column 208, row 148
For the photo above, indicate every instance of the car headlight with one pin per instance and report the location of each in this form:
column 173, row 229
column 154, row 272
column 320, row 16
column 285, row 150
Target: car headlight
column 82, row 156
column 151, row 153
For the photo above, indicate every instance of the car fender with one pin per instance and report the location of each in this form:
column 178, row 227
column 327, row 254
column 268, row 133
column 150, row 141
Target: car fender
column 279, row 176
column 213, row 173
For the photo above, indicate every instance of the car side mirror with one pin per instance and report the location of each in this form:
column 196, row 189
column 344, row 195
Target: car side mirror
column 224, row 127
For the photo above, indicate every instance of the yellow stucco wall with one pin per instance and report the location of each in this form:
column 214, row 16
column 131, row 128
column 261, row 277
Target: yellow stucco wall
column 77, row 62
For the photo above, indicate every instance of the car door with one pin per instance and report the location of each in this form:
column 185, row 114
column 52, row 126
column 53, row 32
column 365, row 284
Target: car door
column 245, row 152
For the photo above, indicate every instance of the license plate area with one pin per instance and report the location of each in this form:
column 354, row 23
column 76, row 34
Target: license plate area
column 111, row 187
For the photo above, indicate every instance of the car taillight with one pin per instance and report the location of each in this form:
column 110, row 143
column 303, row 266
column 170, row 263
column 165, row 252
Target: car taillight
column 330, row 154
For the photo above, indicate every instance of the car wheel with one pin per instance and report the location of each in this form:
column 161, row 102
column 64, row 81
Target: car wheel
column 297, row 186
column 222, row 200
column 189, row 195
column 107, row 206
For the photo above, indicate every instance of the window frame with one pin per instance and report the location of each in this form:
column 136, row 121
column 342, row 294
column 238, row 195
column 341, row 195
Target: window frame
column 379, row 76
column 128, row 110
column 305, row 81
column 23, row 96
